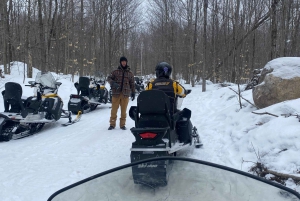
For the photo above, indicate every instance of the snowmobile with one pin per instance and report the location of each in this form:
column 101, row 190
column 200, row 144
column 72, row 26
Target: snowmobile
column 90, row 94
column 139, row 86
column 26, row 116
column 99, row 91
column 190, row 179
column 158, row 132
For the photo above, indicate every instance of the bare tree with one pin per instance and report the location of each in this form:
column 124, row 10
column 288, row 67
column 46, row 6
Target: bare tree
column 4, row 20
column 274, row 29
column 204, row 46
column 27, row 42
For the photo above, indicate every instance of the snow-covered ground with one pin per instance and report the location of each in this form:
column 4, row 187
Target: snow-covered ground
column 34, row 167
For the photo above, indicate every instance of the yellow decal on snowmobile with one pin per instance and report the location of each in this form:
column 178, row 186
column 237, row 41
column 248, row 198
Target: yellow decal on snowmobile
column 162, row 83
column 49, row 95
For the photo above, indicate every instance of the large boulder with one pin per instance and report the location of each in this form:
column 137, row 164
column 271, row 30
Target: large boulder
column 279, row 81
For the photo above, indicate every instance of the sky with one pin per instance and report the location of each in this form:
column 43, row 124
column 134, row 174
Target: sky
column 34, row 167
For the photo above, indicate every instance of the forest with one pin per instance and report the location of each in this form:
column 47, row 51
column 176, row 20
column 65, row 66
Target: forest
column 216, row 40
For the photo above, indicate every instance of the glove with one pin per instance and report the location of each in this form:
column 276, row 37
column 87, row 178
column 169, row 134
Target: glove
column 115, row 85
column 132, row 96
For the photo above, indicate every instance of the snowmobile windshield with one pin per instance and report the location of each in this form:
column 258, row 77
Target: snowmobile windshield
column 187, row 179
column 46, row 79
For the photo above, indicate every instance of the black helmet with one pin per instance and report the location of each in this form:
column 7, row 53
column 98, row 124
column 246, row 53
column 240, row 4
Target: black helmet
column 163, row 69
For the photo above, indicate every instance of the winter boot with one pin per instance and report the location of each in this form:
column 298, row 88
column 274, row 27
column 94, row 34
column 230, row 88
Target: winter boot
column 111, row 128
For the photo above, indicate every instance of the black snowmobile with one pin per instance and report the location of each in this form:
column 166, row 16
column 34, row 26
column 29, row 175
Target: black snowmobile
column 139, row 85
column 158, row 132
column 190, row 179
column 99, row 91
column 26, row 116
column 90, row 94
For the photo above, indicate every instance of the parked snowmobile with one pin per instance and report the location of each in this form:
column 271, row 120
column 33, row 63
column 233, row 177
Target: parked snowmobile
column 26, row 116
column 98, row 90
column 190, row 179
column 90, row 94
column 100, row 78
column 139, row 85
column 81, row 100
column 158, row 132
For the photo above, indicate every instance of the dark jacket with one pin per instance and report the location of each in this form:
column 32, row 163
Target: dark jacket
column 171, row 87
column 125, row 78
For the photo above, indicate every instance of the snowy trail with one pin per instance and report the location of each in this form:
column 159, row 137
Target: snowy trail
column 203, row 117
column 59, row 156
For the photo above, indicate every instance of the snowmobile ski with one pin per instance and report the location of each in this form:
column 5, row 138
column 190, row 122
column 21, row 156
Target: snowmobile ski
column 78, row 117
column 33, row 128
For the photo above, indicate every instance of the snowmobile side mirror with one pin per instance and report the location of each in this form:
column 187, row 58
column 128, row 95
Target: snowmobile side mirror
column 188, row 91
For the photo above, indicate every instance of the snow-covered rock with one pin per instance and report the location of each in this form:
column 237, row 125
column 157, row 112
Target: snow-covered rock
column 279, row 81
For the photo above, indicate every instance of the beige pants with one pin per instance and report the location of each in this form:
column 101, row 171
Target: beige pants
column 121, row 101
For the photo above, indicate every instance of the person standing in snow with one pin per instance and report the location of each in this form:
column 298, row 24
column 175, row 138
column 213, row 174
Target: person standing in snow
column 121, row 81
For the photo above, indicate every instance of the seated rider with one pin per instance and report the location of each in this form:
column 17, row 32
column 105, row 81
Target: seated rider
column 173, row 89
column 164, row 83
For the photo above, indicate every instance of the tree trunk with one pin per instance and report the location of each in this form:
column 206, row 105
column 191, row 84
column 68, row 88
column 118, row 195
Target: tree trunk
column 8, row 37
column 195, row 67
column 204, row 46
column 42, row 38
column 81, row 40
column 3, row 9
column 274, row 53
column 27, row 44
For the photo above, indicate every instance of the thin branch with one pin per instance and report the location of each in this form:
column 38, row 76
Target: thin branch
column 244, row 98
column 281, row 175
column 255, row 152
column 265, row 113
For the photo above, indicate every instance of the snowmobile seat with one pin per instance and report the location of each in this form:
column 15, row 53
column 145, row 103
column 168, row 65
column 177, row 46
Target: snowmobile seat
column 83, row 86
column 153, row 110
column 12, row 98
